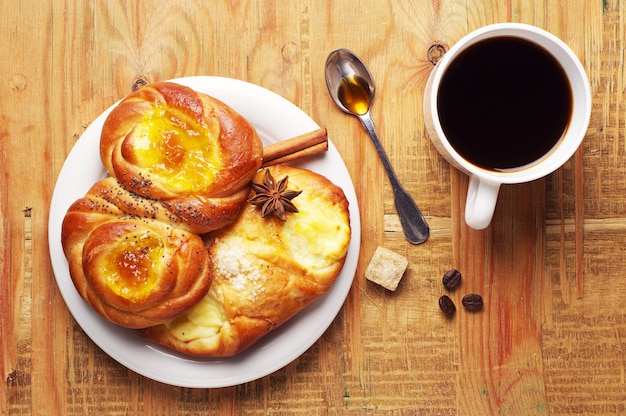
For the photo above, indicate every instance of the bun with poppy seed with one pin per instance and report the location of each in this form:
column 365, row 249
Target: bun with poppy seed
column 169, row 142
column 126, row 258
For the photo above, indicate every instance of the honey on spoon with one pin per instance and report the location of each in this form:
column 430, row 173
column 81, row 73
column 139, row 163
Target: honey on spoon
column 354, row 94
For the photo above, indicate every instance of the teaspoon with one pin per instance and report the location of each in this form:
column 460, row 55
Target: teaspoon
column 351, row 87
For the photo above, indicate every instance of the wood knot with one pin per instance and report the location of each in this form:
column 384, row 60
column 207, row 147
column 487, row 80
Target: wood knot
column 18, row 82
column 290, row 53
column 16, row 378
column 435, row 52
column 139, row 82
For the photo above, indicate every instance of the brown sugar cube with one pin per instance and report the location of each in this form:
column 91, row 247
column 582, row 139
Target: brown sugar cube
column 386, row 268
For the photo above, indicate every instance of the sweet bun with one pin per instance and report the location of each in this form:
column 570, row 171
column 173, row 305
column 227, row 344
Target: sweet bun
column 169, row 142
column 135, row 269
column 265, row 270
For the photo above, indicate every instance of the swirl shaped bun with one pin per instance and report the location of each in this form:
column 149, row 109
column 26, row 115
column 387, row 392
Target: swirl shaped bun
column 265, row 270
column 134, row 270
column 169, row 142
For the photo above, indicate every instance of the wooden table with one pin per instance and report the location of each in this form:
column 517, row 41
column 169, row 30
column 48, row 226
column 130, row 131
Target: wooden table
column 552, row 336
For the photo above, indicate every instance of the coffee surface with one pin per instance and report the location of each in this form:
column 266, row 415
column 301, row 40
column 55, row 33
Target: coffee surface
column 504, row 103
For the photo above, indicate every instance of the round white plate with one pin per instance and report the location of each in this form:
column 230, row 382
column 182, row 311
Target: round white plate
column 275, row 119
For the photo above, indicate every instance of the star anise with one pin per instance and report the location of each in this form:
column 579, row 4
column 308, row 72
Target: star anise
column 274, row 197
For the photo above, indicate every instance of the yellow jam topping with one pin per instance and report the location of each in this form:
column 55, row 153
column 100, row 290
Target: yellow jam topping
column 176, row 151
column 133, row 266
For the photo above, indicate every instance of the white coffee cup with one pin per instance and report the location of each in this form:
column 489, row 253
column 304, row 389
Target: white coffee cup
column 484, row 184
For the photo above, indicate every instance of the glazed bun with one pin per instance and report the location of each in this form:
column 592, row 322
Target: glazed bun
column 169, row 142
column 136, row 270
column 265, row 270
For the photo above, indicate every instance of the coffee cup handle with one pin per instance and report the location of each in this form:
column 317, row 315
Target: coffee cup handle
column 482, row 196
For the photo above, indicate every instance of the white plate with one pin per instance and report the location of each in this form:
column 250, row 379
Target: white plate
column 275, row 119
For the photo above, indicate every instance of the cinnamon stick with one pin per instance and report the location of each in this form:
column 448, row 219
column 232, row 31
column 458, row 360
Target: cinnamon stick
column 307, row 144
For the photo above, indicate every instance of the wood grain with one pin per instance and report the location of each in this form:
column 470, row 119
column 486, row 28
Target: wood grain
column 552, row 335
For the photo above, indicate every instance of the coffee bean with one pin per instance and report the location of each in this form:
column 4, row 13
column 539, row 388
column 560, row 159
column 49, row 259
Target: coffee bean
column 472, row 302
column 451, row 279
column 446, row 305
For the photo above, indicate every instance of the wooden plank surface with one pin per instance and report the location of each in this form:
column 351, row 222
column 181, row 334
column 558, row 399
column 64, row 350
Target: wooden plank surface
column 552, row 335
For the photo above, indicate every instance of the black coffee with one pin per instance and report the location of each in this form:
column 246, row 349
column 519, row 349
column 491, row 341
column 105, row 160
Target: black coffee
column 504, row 102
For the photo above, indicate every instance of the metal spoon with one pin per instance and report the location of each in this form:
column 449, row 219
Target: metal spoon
column 351, row 87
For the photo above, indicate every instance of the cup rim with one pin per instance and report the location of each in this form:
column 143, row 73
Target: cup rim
column 581, row 111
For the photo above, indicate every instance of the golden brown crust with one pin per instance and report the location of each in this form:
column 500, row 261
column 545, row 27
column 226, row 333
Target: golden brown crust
column 134, row 270
column 196, row 214
column 265, row 270
column 169, row 142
